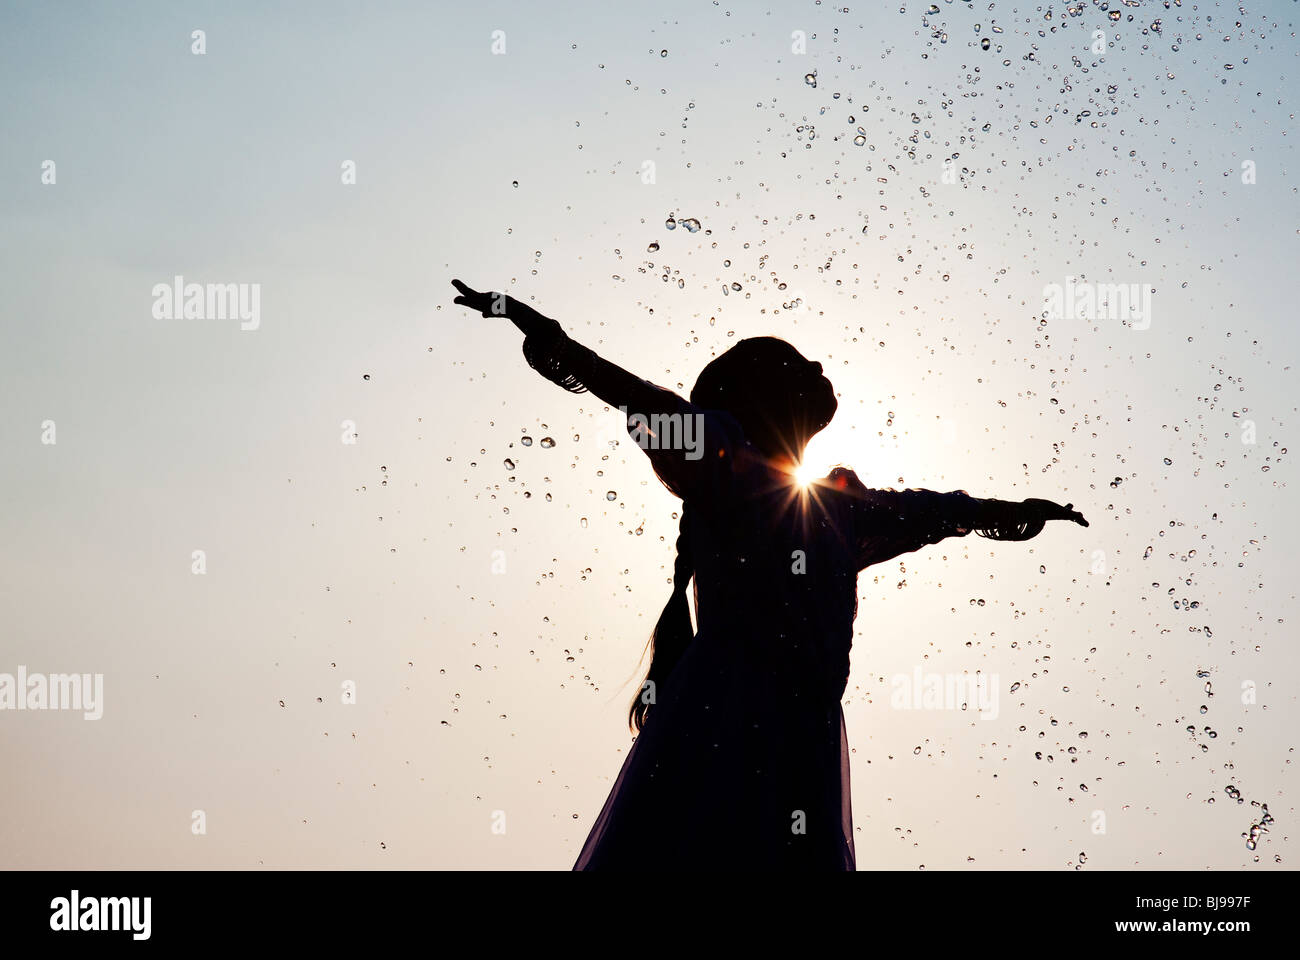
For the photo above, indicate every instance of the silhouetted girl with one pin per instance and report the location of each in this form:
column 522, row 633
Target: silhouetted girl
column 741, row 760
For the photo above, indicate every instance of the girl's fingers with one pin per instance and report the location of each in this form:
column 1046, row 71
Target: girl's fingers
column 469, row 296
column 1055, row 511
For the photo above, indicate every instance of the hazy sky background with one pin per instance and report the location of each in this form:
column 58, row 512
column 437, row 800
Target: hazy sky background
column 372, row 563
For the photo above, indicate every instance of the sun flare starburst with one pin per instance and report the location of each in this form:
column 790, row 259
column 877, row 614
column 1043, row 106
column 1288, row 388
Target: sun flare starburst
column 805, row 475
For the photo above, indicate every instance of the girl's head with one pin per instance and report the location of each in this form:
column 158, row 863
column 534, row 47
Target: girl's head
column 779, row 396
column 780, row 399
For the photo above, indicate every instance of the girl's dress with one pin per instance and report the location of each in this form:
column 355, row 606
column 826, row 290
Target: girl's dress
column 743, row 761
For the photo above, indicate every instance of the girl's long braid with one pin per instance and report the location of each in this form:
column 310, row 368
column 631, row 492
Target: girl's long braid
column 673, row 633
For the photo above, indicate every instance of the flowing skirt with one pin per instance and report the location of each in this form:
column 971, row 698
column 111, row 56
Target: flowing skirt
column 740, row 765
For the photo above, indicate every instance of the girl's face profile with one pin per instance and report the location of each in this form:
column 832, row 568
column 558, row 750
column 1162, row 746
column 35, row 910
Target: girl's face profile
column 809, row 396
column 814, row 391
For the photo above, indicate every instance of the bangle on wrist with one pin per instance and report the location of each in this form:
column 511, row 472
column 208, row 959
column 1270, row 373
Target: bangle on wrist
column 561, row 360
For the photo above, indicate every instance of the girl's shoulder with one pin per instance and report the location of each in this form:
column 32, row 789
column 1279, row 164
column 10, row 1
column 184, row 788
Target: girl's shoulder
column 843, row 480
column 844, row 486
column 698, row 453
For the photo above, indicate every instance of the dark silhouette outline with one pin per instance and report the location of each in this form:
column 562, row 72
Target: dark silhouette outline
column 748, row 767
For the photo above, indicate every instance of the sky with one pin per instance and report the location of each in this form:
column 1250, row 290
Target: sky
column 347, row 616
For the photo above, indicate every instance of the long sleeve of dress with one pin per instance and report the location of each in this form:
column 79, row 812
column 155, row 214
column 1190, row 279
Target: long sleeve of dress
column 692, row 450
column 887, row 523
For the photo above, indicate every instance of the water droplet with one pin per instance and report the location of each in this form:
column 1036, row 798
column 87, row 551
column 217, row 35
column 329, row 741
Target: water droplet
column 546, row 443
column 611, row 495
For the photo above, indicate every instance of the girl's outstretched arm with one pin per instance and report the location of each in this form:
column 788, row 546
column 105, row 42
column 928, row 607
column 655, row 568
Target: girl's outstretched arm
column 1000, row 519
column 562, row 360
column 892, row 522
column 673, row 433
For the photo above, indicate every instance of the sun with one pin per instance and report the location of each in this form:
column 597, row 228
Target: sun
column 805, row 475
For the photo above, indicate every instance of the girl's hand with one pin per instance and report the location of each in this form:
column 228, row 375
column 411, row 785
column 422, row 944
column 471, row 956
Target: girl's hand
column 528, row 320
column 1047, row 510
column 488, row 304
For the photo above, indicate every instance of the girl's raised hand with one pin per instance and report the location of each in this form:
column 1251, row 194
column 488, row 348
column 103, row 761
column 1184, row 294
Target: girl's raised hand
column 528, row 320
column 488, row 304
column 1048, row 510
